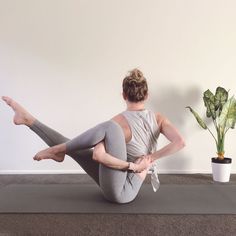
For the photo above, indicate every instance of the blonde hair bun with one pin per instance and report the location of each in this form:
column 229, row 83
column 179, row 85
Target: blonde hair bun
column 135, row 86
column 136, row 74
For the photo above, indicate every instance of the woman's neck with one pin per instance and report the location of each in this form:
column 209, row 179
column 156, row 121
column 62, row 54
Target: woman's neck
column 135, row 106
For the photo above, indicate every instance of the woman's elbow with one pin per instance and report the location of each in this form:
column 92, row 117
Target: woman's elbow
column 96, row 154
column 181, row 143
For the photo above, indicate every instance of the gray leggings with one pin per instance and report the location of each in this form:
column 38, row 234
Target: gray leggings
column 117, row 186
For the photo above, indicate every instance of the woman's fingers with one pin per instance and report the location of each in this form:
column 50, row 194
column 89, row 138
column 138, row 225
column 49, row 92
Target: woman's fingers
column 142, row 165
column 138, row 160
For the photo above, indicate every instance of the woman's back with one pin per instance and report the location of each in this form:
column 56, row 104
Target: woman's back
column 141, row 131
column 144, row 130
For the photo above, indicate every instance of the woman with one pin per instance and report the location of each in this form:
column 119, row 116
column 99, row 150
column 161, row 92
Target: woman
column 117, row 153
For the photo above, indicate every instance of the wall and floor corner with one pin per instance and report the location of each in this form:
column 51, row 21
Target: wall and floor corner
column 65, row 61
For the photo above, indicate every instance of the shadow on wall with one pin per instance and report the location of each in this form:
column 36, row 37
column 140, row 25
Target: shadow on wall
column 171, row 102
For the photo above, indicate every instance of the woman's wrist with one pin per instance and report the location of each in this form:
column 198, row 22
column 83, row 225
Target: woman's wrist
column 152, row 157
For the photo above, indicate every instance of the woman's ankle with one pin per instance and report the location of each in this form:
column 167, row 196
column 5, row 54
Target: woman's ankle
column 60, row 148
column 30, row 122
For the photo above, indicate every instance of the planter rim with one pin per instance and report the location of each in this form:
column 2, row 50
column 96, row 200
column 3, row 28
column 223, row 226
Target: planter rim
column 226, row 160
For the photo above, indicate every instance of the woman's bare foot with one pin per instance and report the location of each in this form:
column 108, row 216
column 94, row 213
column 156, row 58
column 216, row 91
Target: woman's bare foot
column 22, row 117
column 56, row 153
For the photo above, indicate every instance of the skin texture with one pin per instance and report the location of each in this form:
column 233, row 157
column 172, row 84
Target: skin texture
column 141, row 165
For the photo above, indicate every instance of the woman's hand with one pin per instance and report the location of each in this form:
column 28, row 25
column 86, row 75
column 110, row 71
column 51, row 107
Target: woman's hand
column 143, row 163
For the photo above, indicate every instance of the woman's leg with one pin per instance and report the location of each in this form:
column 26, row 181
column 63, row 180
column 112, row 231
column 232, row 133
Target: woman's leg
column 84, row 157
column 117, row 185
column 51, row 137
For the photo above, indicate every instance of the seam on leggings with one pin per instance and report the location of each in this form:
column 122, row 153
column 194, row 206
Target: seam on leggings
column 130, row 180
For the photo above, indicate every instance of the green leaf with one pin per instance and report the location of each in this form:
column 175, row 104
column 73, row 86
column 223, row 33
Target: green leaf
column 227, row 118
column 198, row 118
column 221, row 97
column 209, row 102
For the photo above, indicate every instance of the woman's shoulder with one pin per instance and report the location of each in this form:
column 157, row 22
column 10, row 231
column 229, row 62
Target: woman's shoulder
column 121, row 120
column 118, row 117
column 159, row 118
column 159, row 115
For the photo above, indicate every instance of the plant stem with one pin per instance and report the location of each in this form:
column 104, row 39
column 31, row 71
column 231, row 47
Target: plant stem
column 212, row 135
column 226, row 130
column 220, row 146
column 215, row 124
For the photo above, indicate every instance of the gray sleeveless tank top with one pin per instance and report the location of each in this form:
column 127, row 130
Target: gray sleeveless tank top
column 145, row 132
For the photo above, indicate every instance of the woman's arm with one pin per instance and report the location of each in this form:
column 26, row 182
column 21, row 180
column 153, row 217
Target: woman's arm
column 172, row 134
column 100, row 155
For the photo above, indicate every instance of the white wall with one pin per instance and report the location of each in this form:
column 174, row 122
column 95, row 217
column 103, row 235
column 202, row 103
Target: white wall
column 64, row 60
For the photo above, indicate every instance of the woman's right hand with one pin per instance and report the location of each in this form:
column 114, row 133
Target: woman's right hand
column 142, row 163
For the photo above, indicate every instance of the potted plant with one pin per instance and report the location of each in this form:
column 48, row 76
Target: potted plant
column 222, row 112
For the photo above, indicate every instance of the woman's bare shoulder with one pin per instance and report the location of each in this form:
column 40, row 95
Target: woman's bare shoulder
column 118, row 118
column 121, row 120
column 160, row 118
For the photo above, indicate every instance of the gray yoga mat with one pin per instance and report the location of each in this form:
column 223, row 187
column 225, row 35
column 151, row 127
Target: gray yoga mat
column 88, row 198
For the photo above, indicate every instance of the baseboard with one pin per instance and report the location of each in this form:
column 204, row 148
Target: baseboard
column 4, row 172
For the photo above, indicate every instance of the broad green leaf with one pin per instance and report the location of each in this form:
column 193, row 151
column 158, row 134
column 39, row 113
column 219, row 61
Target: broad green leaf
column 198, row 118
column 209, row 102
column 227, row 117
column 221, row 97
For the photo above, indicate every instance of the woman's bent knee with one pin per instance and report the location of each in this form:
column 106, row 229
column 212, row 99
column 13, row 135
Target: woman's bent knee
column 114, row 127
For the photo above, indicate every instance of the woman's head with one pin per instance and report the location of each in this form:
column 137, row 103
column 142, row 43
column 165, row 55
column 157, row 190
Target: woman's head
column 135, row 88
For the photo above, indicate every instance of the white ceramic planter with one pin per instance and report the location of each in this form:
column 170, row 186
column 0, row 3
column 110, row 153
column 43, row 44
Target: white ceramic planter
column 221, row 171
